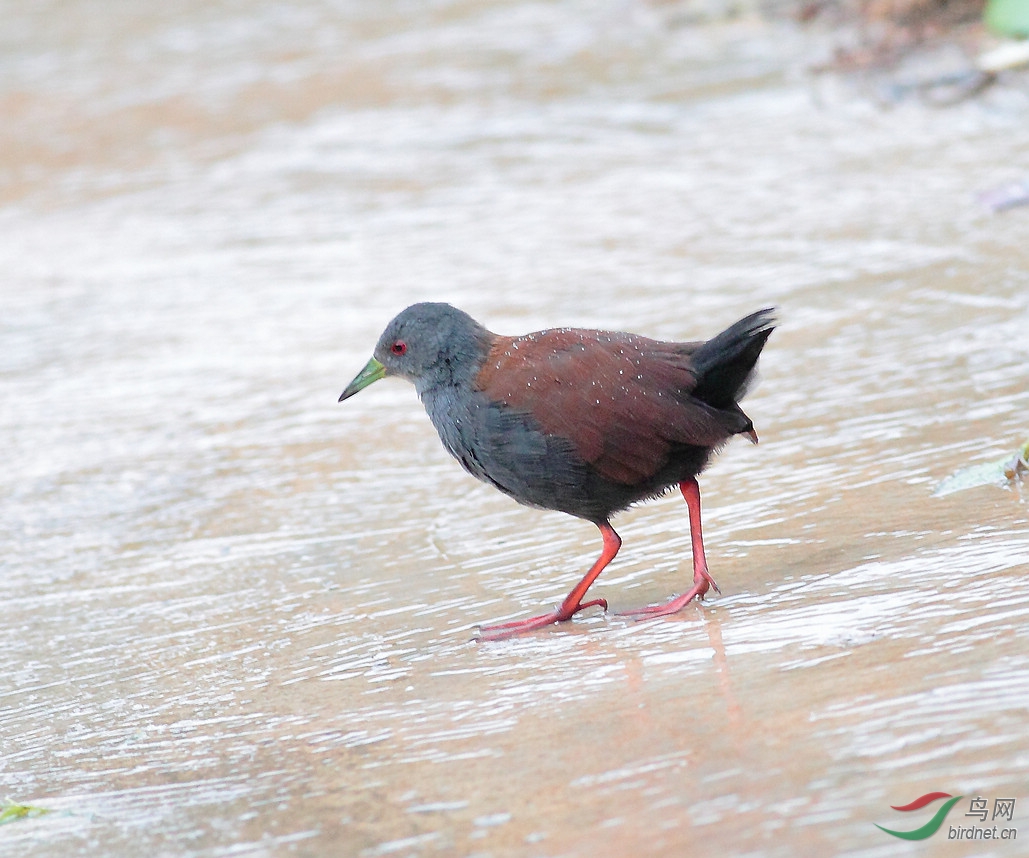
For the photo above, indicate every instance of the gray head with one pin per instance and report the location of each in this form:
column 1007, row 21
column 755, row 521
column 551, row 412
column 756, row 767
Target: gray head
column 429, row 344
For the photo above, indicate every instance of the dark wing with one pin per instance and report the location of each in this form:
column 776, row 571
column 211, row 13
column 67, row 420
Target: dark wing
column 622, row 400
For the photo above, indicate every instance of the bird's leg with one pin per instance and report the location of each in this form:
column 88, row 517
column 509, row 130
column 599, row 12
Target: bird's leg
column 702, row 580
column 573, row 601
column 691, row 494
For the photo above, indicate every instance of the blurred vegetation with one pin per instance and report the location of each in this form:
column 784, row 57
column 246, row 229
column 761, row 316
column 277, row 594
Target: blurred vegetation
column 12, row 811
column 1005, row 472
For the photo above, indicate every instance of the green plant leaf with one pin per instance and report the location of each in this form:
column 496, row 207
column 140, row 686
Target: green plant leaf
column 997, row 473
column 1009, row 17
column 12, row 811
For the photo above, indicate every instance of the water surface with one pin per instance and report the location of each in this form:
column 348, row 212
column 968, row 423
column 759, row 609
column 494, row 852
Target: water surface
column 238, row 616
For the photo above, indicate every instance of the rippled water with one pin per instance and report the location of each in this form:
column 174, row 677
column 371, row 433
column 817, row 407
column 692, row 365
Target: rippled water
column 238, row 616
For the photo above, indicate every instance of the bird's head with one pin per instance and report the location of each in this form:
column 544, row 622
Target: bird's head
column 429, row 344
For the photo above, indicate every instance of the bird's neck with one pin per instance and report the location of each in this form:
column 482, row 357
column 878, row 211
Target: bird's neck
column 457, row 366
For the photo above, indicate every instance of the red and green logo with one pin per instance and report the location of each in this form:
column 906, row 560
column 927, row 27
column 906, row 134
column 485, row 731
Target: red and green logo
column 933, row 825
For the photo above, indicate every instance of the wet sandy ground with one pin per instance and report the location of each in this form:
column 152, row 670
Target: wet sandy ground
column 238, row 617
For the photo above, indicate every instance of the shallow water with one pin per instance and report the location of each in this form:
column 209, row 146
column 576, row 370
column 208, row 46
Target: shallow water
column 238, row 616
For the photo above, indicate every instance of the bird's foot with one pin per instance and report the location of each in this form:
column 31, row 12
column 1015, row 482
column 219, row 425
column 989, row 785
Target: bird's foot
column 560, row 615
column 703, row 576
column 702, row 582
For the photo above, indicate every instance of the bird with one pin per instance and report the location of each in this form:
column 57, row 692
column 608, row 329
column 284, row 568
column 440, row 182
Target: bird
column 585, row 422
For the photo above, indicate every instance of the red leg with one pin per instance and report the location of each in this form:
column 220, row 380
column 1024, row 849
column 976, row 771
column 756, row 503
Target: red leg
column 702, row 581
column 573, row 601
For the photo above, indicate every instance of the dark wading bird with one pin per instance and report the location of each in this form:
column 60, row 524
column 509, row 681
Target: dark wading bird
column 585, row 422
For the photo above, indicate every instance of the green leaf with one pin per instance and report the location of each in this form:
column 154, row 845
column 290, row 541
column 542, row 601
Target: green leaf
column 11, row 811
column 997, row 473
column 1008, row 17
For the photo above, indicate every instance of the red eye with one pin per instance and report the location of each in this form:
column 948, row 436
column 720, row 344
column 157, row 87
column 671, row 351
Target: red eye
column 399, row 347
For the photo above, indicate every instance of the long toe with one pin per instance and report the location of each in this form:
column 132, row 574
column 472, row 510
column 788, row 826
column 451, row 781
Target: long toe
column 703, row 577
column 509, row 630
column 671, row 607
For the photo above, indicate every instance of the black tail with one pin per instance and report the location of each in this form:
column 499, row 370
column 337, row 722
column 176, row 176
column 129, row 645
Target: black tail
column 724, row 364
